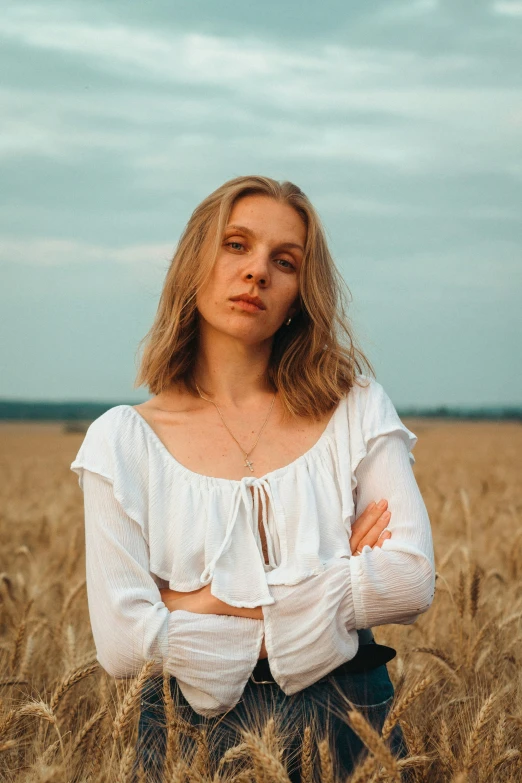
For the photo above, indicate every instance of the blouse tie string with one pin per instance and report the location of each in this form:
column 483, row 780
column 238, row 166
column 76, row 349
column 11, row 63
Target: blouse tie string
column 242, row 494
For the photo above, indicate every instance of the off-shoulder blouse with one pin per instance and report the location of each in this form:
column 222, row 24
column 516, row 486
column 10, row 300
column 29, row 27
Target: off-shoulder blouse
column 150, row 522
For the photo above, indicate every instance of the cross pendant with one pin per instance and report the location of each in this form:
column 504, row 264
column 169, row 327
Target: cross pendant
column 249, row 464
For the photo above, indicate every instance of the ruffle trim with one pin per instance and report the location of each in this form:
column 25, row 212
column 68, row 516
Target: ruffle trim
column 409, row 437
column 104, row 451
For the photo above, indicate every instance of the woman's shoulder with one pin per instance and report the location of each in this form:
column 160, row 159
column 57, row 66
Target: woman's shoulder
column 109, row 419
column 111, row 443
column 365, row 391
column 371, row 413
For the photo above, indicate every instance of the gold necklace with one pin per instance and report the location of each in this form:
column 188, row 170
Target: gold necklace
column 248, row 463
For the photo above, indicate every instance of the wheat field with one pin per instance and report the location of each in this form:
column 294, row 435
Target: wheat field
column 457, row 673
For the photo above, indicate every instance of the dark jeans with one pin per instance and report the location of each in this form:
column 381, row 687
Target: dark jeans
column 323, row 703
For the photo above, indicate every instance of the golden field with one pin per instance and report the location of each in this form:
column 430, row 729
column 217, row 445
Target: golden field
column 457, row 673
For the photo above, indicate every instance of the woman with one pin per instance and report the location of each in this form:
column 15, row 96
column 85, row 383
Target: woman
column 233, row 527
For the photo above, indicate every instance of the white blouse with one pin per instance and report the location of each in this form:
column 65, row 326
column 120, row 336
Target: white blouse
column 150, row 522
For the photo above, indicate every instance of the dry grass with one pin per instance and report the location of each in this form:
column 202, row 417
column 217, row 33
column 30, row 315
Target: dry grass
column 457, row 672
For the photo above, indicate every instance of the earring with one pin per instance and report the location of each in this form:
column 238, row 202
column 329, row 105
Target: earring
column 287, row 322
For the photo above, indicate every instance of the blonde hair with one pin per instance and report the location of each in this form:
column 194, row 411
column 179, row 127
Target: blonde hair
column 313, row 361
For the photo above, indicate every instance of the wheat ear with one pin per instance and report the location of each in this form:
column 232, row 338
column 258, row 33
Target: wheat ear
column 81, row 739
column 124, row 714
column 267, row 766
column 374, row 743
column 40, row 709
column 325, row 758
column 68, row 681
column 172, row 753
column 405, row 702
column 306, row 756
column 477, row 734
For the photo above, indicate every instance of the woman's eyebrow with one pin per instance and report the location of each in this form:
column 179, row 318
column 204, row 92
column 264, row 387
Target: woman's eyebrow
column 251, row 233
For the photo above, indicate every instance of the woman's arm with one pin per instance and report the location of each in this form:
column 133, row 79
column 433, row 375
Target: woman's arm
column 396, row 583
column 310, row 629
column 211, row 656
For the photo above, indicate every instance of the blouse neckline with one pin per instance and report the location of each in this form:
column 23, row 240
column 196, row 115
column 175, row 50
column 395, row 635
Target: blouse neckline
column 278, row 472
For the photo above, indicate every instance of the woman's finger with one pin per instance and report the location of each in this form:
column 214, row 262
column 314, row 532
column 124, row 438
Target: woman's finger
column 372, row 536
column 362, row 526
column 386, row 534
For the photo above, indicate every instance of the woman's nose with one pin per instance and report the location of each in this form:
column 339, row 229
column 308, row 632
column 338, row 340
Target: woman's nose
column 258, row 269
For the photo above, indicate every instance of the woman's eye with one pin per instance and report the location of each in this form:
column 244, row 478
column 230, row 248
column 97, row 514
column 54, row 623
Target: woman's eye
column 290, row 266
column 284, row 260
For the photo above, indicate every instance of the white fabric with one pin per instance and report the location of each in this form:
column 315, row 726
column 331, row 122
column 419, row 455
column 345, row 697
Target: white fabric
column 166, row 525
column 212, row 656
column 310, row 628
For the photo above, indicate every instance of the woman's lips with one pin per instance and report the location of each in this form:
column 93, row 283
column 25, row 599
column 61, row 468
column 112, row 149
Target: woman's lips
column 252, row 308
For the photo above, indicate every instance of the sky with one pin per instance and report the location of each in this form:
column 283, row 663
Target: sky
column 400, row 119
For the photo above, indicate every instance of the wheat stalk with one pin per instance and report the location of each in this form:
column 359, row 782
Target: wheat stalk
column 511, row 754
column 461, row 595
column 49, row 753
column 69, row 598
column 306, row 756
column 8, row 601
column 200, row 767
column 446, row 752
column 474, row 590
column 7, row 721
column 405, row 702
column 68, row 681
column 325, row 758
column 20, row 638
column 172, row 753
column 476, row 736
column 271, row 738
column 470, row 660
column 39, row 709
column 267, row 766
column 81, row 739
column 132, row 697
column 439, row 655
column 374, row 743
column 364, row 770
column 125, row 768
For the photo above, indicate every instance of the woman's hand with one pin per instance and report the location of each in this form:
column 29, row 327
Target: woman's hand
column 369, row 527
column 200, row 600
column 203, row 602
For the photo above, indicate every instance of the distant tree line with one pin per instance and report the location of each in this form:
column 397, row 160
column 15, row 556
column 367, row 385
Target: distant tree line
column 81, row 412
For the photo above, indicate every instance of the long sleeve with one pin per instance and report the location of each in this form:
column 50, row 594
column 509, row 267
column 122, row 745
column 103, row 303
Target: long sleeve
column 212, row 656
column 311, row 627
column 394, row 583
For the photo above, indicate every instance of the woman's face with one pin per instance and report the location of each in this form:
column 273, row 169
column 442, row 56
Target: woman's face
column 261, row 255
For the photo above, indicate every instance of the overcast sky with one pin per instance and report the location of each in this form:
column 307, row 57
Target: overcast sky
column 402, row 122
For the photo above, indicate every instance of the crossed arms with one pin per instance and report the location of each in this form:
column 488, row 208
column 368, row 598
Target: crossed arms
column 212, row 647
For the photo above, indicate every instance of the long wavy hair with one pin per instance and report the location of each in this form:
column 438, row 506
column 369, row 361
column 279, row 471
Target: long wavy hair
column 313, row 362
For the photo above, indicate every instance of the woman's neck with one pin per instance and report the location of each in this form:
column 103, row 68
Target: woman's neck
column 232, row 373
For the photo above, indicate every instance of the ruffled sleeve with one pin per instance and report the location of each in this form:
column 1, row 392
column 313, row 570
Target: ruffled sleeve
column 311, row 627
column 115, row 448
column 372, row 413
column 212, row 656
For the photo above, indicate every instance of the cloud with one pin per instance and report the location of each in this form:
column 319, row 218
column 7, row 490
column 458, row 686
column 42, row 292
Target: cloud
column 47, row 252
column 184, row 95
column 508, row 9
column 397, row 12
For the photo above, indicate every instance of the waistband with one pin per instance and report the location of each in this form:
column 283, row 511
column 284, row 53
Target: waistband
column 364, row 660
